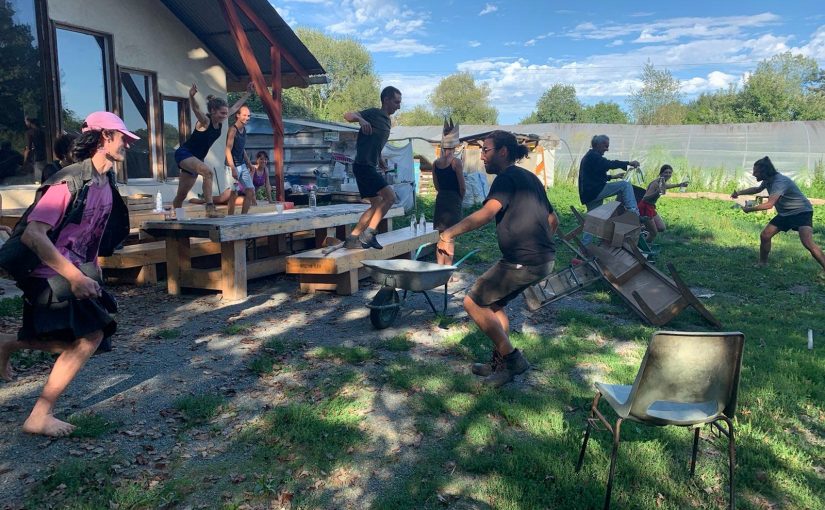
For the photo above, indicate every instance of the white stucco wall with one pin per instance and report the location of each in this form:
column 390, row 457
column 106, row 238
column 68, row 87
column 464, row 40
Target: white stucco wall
column 147, row 36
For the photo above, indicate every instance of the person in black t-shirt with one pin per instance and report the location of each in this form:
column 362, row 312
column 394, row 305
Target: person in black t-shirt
column 525, row 225
column 375, row 131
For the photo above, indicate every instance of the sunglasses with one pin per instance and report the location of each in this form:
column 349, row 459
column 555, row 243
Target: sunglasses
column 485, row 150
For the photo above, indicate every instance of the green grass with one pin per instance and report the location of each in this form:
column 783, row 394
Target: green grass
column 344, row 354
column 169, row 334
column 199, row 409
column 236, row 328
column 91, row 425
column 11, row 307
column 398, row 343
column 515, row 448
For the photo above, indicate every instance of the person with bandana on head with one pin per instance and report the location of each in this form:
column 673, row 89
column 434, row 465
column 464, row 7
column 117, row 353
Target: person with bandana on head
column 448, row 179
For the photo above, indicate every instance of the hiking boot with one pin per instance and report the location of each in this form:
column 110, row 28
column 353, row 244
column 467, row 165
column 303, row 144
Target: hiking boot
column 511, row 365
column 352, row 243
column 211, row 212
column 485, row 369
column 368, row 239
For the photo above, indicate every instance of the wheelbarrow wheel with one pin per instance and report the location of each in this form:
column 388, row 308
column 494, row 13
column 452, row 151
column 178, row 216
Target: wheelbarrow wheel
column 381, row 318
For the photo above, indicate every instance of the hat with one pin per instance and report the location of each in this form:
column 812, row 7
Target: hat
column 449, row 138
column 107, row 120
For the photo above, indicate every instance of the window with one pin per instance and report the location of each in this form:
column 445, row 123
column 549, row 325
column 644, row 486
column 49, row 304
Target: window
column 175, row 118
column 84, row 75
column 137, row 95
column 25, row 140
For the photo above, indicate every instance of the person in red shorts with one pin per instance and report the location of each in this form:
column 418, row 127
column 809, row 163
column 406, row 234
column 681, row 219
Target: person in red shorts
column 647, row 205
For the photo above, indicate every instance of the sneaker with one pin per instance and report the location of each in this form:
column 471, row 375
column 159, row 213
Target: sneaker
column 511, row 365
column 352, row 243
column 211, row 212
column 485, row 369
column 368, row 240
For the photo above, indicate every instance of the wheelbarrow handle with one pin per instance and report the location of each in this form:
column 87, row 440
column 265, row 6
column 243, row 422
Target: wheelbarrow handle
column 462, row 259
column 465, row 257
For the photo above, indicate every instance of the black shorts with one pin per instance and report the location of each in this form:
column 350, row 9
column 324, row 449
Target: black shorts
column 46, row 319
column 369, row 181
column 505, row 281
column 794, row 221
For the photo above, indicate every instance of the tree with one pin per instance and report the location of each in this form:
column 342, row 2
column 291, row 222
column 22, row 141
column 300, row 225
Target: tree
column 418, row 116
column 778, row 89
column 720, row 107
column 603, row 113
column 659, row 100
column 353, row 84
column 459, row 97
column 558, row 104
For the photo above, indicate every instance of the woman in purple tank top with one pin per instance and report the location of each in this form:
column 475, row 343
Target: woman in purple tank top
column 260, row 176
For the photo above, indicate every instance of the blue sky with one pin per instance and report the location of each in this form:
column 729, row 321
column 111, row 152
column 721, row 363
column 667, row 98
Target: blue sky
column 521, row 48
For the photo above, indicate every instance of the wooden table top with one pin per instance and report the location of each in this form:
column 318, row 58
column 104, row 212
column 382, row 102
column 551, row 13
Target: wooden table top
column 247, row 226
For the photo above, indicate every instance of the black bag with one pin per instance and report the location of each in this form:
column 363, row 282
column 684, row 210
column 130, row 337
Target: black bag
column 18, row 259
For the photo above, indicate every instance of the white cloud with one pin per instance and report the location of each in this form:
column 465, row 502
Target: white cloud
column 673, row 29
column 286, row 15
column 617, row 42
column 400, row 47
column 714, row 81
column 815, row 47
column 474, row 44
column 488, row 9
column 415, row 89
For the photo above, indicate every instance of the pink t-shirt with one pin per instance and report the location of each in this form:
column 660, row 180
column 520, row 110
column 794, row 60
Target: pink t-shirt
column 77, row 242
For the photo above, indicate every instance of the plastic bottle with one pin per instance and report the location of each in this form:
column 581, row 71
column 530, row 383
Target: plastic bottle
column 313, row 200
column 413, row 225
column 422, row 224
column 158, row 202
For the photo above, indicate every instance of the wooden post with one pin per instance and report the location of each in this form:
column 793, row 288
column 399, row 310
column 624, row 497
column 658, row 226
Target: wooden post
column 277, row 121
column 178, row 262
column 233, row 269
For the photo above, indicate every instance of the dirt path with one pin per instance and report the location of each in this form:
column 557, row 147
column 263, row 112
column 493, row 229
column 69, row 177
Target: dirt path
column 168, row 347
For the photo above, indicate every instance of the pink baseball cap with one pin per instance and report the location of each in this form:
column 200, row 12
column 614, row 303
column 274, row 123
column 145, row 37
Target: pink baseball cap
column 108, row 120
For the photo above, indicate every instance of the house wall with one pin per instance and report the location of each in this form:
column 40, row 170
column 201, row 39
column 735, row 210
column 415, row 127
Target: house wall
column 146, row 36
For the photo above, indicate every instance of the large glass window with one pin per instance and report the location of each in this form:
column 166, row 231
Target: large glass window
column 24, row 131
column 175, row 129
column 137, row 96
column 83, row 76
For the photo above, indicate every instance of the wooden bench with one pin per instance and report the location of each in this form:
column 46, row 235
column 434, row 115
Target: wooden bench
column 143, row 258
column 340, row 270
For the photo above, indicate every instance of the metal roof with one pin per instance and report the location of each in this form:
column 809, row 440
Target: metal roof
column 259, row 125
column 206, row 20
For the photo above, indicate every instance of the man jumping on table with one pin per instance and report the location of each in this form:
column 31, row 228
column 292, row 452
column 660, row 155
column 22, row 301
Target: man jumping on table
column 374, row 133
column 793, row 210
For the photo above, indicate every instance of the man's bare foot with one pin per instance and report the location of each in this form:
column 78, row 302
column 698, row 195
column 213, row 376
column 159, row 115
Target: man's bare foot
column 6, row 372
column 47, row 425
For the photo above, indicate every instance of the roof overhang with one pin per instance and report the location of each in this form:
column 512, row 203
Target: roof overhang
column 205, row 19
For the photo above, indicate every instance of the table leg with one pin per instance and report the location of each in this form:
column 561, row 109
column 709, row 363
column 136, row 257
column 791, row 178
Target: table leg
column 233, row 269
column 342, row 231
column 178, row 262
column 384, row 226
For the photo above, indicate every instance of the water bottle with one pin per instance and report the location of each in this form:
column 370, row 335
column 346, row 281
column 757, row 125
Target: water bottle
column 423, row 223
column 313, row 200
column 158, row 202
column 413, row 225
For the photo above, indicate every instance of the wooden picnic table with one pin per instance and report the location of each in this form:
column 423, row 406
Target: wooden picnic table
column 233, row 232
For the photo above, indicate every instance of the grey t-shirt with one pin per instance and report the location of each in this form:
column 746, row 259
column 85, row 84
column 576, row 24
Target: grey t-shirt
column 368, row 147
column 791, row 201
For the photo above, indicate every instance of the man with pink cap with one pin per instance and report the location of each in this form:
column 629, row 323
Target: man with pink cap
column 77, row 215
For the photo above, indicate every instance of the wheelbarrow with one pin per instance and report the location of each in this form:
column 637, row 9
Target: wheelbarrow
column 410, row 276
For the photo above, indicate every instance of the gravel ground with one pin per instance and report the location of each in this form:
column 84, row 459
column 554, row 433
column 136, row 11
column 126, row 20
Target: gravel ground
column 137, row 383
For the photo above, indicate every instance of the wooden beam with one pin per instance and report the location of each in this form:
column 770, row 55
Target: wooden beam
column 267, row 32
column 277, row 122
column 249, row 60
